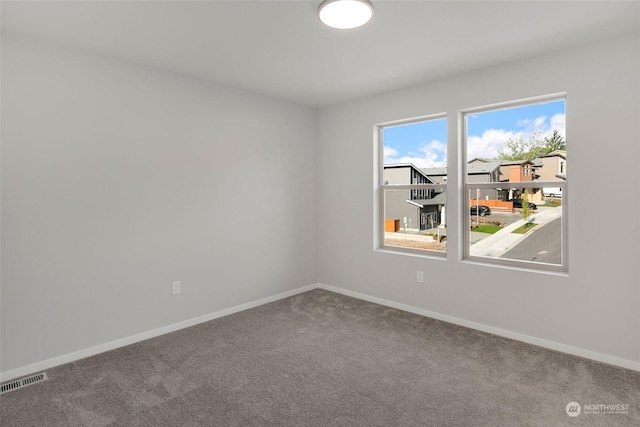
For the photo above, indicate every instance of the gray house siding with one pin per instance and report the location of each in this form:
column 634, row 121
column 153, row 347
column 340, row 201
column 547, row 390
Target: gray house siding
column 397, row 175
column 552, row 167
column 396, row 206
column 413, row 208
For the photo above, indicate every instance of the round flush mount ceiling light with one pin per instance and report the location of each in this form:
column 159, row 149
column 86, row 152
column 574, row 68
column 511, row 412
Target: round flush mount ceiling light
column 345, row 14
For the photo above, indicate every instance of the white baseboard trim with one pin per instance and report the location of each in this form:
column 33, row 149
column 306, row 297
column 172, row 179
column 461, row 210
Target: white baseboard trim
column 576, row 351
column 92, row 351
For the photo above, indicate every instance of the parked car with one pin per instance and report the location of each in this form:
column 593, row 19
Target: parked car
column 482, row 209
column 517, row 204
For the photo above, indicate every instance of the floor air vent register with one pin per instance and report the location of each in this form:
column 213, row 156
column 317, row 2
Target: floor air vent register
column 14, row 385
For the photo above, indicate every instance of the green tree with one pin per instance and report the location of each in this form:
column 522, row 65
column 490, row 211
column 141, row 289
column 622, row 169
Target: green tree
column 554, row 143
column 519, row 149
column 525, row 212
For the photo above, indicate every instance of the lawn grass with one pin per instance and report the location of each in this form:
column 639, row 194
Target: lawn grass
column 524, row 228
column 488, row 228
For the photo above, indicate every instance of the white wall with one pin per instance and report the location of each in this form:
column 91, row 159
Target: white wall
column 595, row 310
column 118, row 180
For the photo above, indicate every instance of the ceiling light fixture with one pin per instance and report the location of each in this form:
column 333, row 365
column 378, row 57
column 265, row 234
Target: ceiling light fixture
column 345, row 14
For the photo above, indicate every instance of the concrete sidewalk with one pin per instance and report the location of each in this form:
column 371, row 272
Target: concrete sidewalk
column 483, row 244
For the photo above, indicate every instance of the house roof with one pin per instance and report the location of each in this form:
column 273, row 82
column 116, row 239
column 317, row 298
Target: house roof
column 479, row 159
column 557, row 153
column 411, row 165
column 434, row 171
column 486, row 167
column 474, row 168
column 516, row 162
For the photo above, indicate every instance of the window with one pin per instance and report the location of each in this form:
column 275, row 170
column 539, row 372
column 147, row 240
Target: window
column 412, row 175
column 512, row 221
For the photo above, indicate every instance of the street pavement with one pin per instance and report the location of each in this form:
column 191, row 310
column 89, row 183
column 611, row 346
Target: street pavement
column 495, row 245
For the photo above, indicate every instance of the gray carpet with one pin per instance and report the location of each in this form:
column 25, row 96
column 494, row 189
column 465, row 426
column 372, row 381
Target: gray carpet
column 323, row 359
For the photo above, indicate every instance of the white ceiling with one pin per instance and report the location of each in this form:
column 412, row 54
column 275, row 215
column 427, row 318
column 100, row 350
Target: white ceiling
column 279, row 48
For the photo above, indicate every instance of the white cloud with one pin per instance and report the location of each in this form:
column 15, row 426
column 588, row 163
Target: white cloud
column 489, row 143
column 529, row 126
column 523, row 123
column 492, row 141
column 486, row 146
column 540, row 122
column 543, row 123
column 388, row 153
column 428, row 155
column 558, row 123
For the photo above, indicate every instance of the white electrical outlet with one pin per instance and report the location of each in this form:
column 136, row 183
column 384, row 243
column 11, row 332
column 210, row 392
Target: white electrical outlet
column 420, row 277
column 175, row 288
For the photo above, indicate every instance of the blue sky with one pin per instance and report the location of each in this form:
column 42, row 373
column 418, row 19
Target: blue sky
column 424, row 143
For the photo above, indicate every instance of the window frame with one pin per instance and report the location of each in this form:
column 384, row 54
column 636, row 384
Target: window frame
column 465, row 187
column 380, row 187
